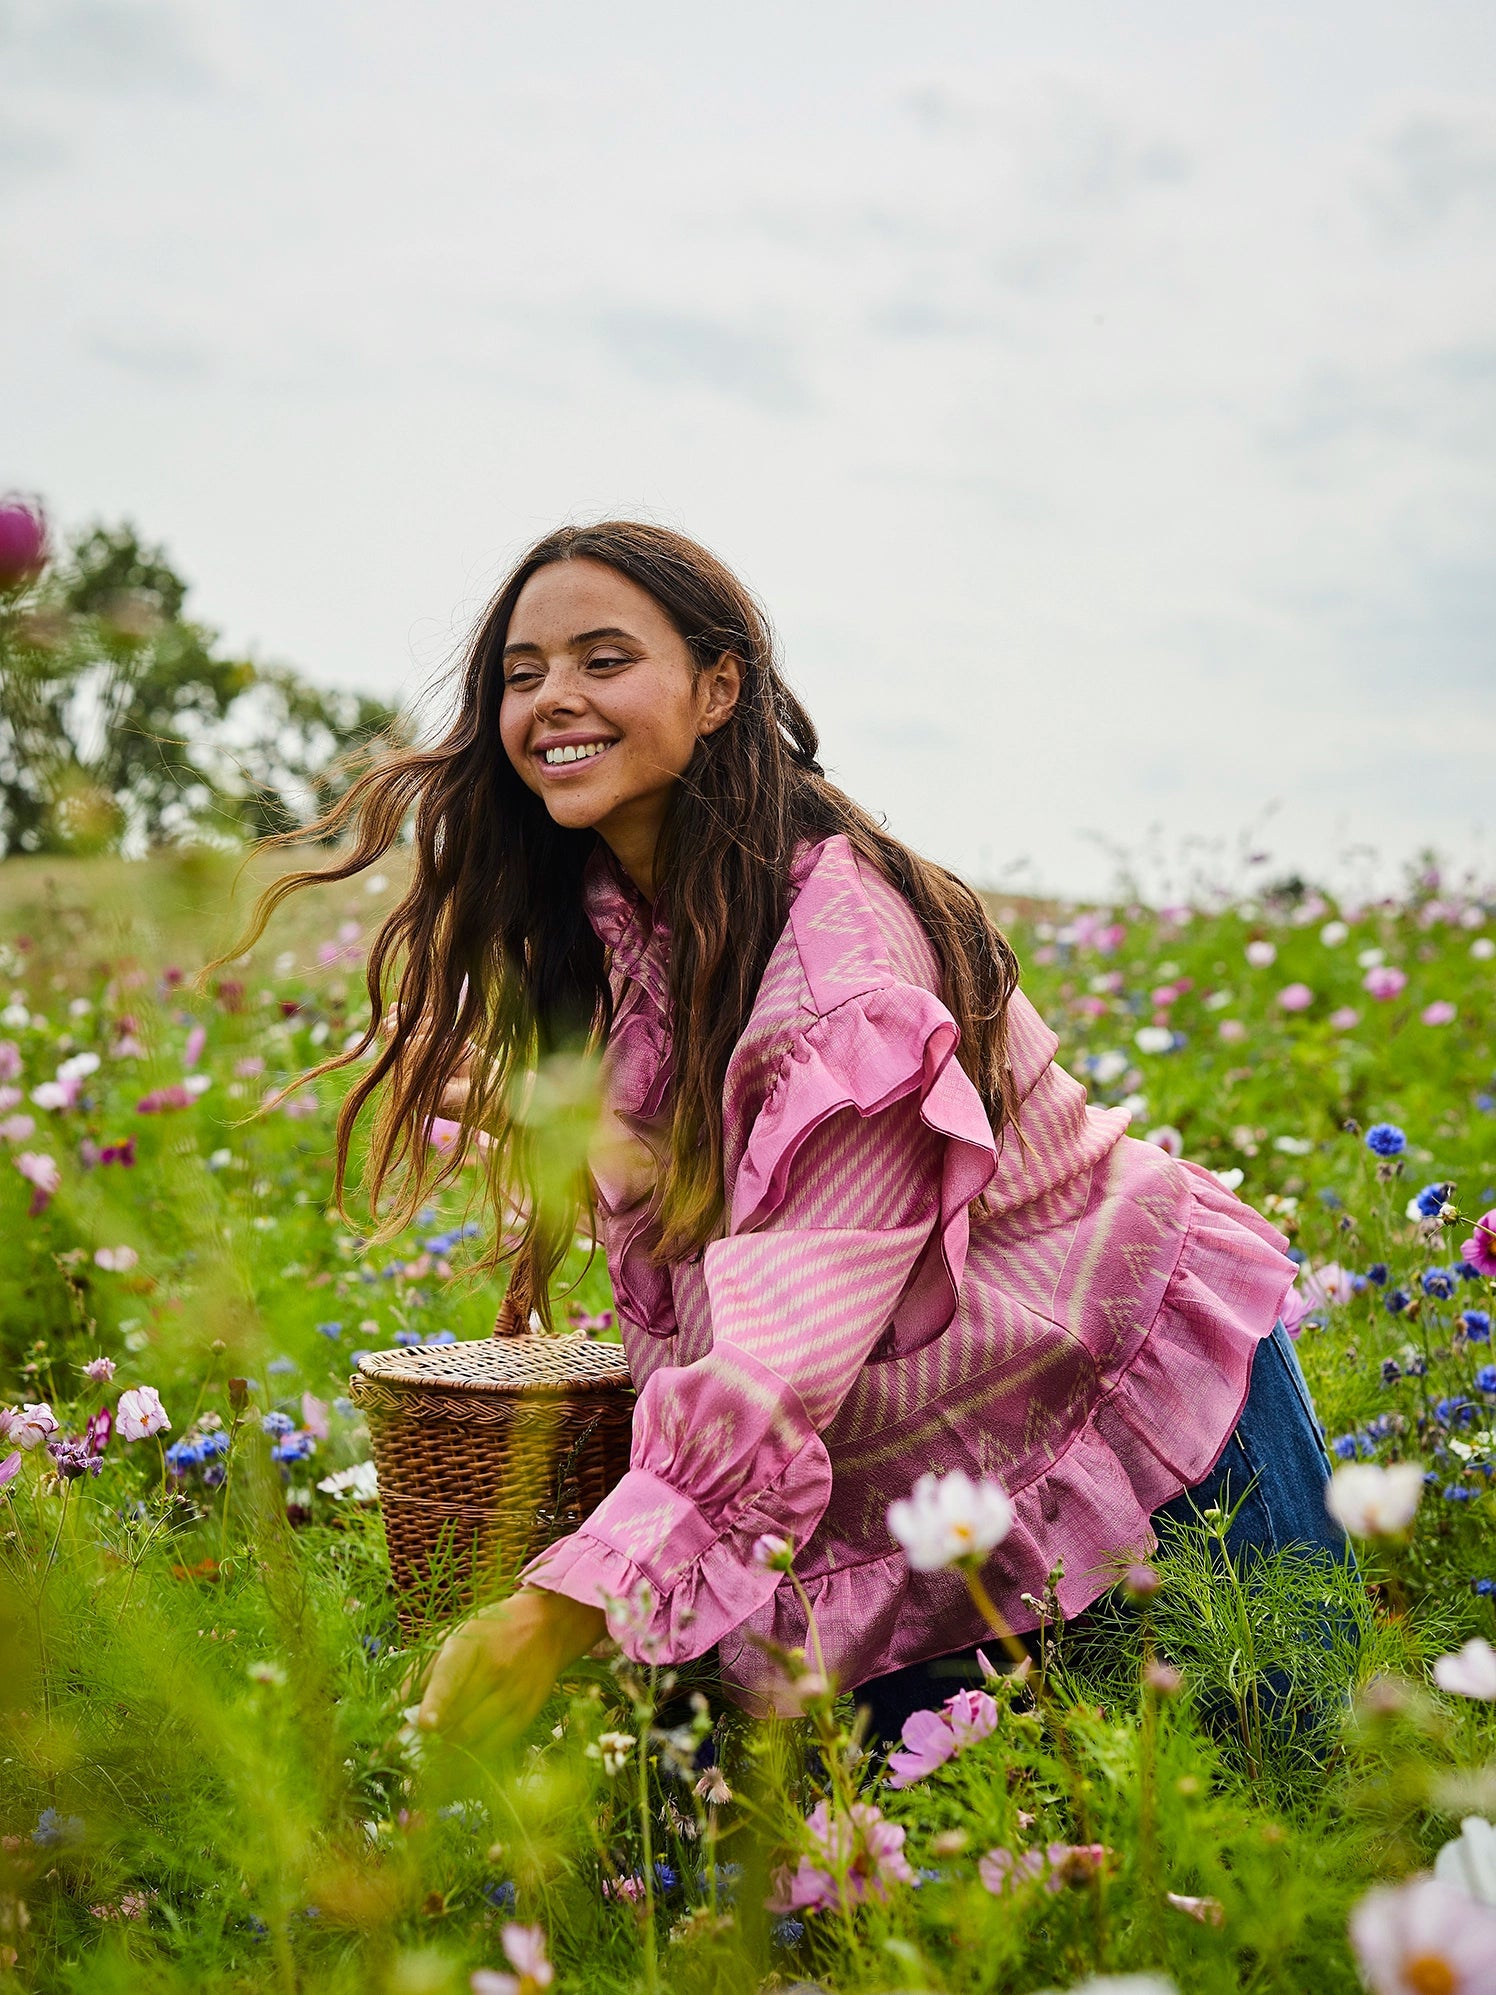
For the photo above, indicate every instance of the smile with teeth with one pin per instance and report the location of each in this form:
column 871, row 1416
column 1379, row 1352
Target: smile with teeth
column 589, row 751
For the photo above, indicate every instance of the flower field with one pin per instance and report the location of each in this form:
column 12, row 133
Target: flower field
column 209, row 1777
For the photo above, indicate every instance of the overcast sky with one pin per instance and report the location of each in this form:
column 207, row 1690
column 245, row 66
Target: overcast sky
column 1100, row 397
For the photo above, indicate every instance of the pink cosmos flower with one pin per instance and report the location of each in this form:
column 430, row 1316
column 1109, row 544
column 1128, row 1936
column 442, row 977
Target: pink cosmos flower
column 41, row 1173
column 314, row 1416
column 1004, row 1870
column 1423, row 1936
column 1440, row 1012
column 1384, row 981
column 161, row 1099
column 1345, row 1018
column 774, row 1553
column 248, row 1067
column 929, row 1742
column 55, row 1095
column 971, row 1715
column 859, row 1859
column 197, row 1039
column 1167, row 1137
column 116, row 1260
column 100, row 1370
column 1295, row 997
column 141, row 1413
column 10, row 1060
column 1232, row 1031
column 100, row 1427
column 23, row 543
column 524, row 1949
column 30, row 1425
column 1479, row 1252
column 1261, row 954
column 10, row 1468
column 18, row 1128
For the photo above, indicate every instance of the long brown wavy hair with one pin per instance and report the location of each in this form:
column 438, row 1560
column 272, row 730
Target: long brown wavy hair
column 490, row 955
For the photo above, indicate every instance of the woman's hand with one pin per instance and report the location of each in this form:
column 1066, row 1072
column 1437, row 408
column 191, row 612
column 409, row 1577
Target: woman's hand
column 494, row 1672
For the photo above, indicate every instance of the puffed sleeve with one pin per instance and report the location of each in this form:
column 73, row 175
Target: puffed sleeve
column 846, row 1242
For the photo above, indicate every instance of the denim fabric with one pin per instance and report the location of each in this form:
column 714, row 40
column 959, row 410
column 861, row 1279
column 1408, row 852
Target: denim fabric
column 1275, row 1464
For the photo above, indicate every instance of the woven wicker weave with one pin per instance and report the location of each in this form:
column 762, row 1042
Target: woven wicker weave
column 486, row 1452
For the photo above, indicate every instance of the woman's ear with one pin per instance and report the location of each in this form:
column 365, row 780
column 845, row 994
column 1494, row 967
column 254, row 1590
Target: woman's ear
column 718, row 688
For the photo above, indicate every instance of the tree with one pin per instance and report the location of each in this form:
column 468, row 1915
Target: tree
column 123, row 725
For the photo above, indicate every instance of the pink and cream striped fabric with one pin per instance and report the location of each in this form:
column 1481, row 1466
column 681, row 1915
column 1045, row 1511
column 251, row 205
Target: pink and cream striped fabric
column 1071, row 1311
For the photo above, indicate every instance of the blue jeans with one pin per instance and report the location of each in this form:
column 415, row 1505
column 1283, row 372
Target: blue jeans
column 1274, row 1465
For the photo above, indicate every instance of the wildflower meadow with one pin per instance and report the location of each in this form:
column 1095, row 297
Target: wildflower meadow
column 210, row 1776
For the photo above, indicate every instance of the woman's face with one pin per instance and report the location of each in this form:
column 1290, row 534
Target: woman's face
column 603, row 707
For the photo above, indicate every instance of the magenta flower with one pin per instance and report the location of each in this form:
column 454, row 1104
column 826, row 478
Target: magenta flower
column 1059, row 1864
column 197, row 1039
column 141, row 1413
column 10, row 1468
column 1479, row 1252
column 858, row 1859
column 1345, row 1018
column 1440, row 1012
column 1384, row 981
column 10, row 1060
column 40, row 1170
column 100, row 1370
column 29, row 1425
column 23, row 543
column 971, row 1715
column 1295, row 997
column 100, row 1426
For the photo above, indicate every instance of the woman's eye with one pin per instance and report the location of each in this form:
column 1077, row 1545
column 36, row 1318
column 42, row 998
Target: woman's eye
column 608, row 658
column 522, row 678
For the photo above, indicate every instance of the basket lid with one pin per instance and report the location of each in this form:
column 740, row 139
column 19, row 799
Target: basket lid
column 523, row 1364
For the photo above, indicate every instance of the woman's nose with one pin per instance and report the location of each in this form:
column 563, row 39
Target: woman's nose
column 562, row 693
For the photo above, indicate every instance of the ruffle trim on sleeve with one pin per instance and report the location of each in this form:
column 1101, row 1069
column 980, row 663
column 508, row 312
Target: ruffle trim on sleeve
column 865, row 1055
column 677, row 1584
column 1159, row 1431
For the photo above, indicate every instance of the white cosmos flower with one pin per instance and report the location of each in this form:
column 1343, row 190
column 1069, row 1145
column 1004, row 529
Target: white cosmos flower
column 1153, row 1039
column 950, row 1520
column 1425, row 1935
column 1470, row 1673
column 361, row 1482
column 1374, row 1502
column 1469, row 1862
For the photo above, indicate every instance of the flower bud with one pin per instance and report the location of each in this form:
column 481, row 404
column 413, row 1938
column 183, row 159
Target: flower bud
column 1140, row 1582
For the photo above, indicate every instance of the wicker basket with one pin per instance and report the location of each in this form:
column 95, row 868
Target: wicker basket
column 486, row 1452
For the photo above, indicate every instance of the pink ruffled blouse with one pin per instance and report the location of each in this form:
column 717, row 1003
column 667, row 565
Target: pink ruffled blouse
column 1074, row 1313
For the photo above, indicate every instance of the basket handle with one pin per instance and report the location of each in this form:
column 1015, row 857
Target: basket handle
column 513, row 1319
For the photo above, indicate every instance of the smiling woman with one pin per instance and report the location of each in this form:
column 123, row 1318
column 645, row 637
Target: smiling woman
column 859, row 1225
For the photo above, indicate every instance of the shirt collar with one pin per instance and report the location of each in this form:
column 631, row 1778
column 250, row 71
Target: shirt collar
column 635, row 930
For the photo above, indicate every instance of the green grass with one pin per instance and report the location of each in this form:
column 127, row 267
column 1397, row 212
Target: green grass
column 206, row 1684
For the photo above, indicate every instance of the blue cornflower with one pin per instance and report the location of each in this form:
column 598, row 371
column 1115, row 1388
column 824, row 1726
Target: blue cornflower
column 1296, row 1255
column 1346, row 1446
column 1467, row 1270
column 53, row 1829
column 344, row 1408
column 332, row 1331
column 214, row 1442
column 1459, row 1492
column 1454, row 1412
column 1391, row 1371
column 1486, row 1103
column 407, row 1337
column 1416, row 1366
column 1381, row 1427
column 1431, row 1200
column 442, row 1337
column 294, row 1448
column 183, row 1455
column 1332, row 1201
column 470, row 1231
column 500, row 1895
column 1439, row 1283
column 1385, row 1139
column 788, row 1932
column 1476, row 1324
column 215, row 1475
column 666, row 1877
column 278, row 1366
column 1485, row 1379
column 367, row 1275
column 439, row 1243
column 1397, row 1300
column 372, row 1646
column 1377, row 1273
column 277, row 1424
column 427, row 1217
column 1486, row 1588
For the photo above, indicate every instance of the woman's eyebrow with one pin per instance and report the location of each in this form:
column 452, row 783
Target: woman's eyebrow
column 582, row 638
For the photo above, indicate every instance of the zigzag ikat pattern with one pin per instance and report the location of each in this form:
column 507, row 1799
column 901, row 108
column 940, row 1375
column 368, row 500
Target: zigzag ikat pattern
column 1074, row 1312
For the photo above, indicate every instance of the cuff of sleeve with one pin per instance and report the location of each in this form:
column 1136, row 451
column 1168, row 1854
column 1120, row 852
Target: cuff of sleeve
column 676, row 1583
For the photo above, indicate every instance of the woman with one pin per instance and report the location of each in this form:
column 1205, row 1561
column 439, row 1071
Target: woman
column 858, row 1222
